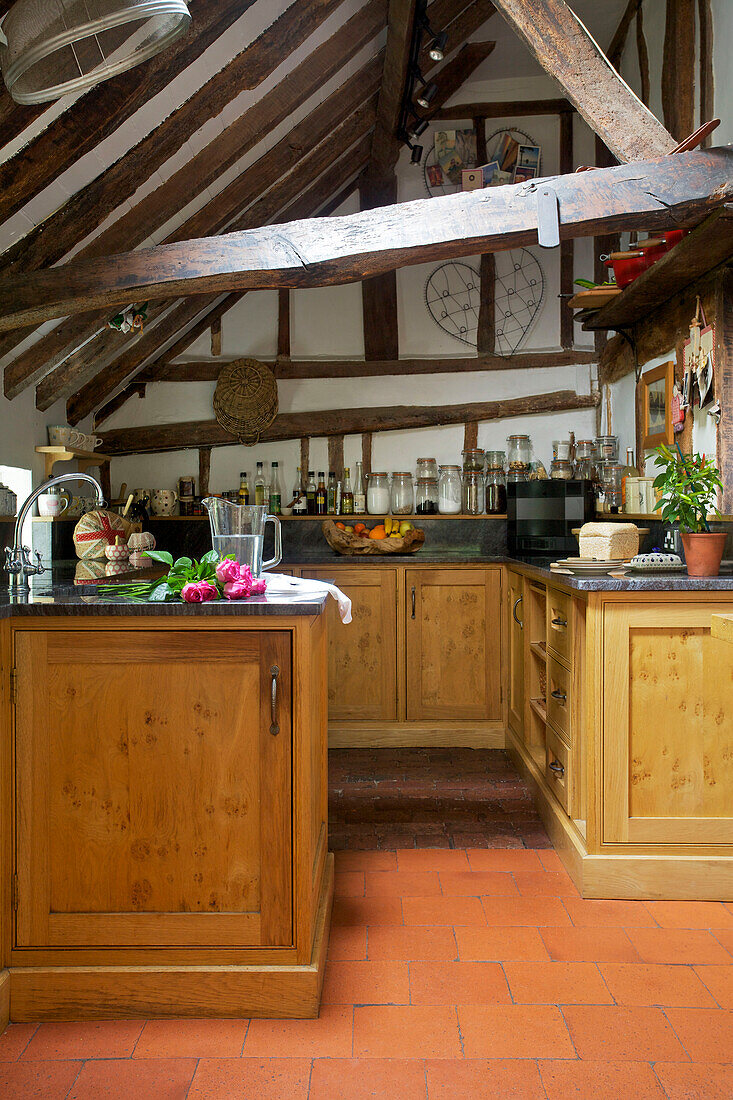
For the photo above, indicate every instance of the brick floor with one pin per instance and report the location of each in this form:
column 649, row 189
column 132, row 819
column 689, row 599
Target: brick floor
column 466, row 991
column 382, row 799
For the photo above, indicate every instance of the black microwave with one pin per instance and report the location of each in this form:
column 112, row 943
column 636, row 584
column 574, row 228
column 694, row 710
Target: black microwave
column 541, row 516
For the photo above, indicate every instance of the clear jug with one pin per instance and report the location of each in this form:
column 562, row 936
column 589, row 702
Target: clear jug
column 238, row 531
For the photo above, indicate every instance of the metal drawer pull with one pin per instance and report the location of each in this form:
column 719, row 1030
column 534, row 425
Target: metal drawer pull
column 413, row 601
column 558, row 695
column 559, row 622
column 557, row 767
column 519, row 622
column 274, row 727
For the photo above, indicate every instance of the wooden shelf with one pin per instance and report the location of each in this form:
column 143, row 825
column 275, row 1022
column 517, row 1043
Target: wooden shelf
column 707, row 246
column 539, row 708
column 52, row 455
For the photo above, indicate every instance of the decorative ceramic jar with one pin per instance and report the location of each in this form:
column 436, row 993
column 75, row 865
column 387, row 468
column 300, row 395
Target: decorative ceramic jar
column 118, row 552
column 141, row 540
column 163, row 501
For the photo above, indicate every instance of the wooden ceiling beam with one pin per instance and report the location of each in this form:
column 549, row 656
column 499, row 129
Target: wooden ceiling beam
column 648, row 194
column 207, row 370
column 61, row 231
column 49, row 353
column 397, row 59
column 504, row 109
column 678, row 68
column 618, row 42
column 157, row 438
column 342, row 155
column 564, row 48
column 104, row 108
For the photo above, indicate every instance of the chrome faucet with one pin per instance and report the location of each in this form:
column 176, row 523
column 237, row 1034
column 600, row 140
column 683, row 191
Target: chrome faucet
column 18, row 557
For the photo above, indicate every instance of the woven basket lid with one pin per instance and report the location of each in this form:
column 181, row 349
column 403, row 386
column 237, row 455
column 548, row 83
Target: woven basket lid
column 245, row 399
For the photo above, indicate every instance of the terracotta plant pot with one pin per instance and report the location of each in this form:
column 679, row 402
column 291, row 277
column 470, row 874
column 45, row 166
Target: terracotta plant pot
column 704, row 553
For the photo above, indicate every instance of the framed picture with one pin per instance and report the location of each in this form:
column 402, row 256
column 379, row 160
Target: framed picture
column 656, row 404
column 524, row 172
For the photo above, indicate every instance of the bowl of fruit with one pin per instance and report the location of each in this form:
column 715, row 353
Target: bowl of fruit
column 388, row 536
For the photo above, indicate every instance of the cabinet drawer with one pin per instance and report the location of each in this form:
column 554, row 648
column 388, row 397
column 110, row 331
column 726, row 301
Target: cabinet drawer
column 557, row 768
column 559, row 612
column 559, row 691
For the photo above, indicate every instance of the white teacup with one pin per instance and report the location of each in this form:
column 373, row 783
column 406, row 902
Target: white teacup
column 61, row 435
column 53, row 504
column 163, row 501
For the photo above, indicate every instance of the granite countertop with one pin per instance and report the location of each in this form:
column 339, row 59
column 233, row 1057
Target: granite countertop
column 54, row 593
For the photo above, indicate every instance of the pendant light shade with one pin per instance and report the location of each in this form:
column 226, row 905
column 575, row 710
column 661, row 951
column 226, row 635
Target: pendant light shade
column 51, row 48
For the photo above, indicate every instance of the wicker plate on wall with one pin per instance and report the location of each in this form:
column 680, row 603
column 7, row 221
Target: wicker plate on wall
column 245, row 399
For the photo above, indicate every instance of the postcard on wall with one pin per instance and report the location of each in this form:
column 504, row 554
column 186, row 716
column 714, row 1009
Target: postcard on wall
column 435, row 175
column 524, row 172
column 454, row 151
column 472, row 179
column 528, row 156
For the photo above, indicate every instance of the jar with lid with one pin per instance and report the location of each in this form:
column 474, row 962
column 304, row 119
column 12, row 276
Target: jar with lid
column 495, row 460
column 449, row 490
column 495, row 490
column 378, row 494
column 519, row 453
column 561, row 469
column 607, row 448
column 473, row 492
column 427, row 467
column 612, row 477
column 426, row 496
column 473, row 460
column 585, row 448
column 402, row 496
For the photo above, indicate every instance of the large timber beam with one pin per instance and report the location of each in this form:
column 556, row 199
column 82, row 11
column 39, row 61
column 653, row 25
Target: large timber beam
column 678, row 68
column 680, row 189
column 564, row 48
column 209, row 433
column 400, row 25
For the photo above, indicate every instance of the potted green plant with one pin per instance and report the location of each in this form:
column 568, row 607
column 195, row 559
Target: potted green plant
column 689, row 486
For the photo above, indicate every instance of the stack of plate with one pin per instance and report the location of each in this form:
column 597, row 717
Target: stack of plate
column 582, row 567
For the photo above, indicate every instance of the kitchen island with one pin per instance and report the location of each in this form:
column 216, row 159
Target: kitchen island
column 164, row 836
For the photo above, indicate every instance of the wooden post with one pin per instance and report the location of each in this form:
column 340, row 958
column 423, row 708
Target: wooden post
column 336, row 455
column 366, row 453
column 567, row 248
column 379, row 294
column 204, row 470
column 604, row 244
column 643, row 54
column 678, row 68
column 724, row 385
column 485, row 331
column 470, row 435
column 283, row 323
column 305, row 446
column 216, row 336
column 707, row 86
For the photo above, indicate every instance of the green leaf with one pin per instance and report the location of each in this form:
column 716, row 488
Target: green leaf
column 181, row 564
column 161, row 593
column 160, row 555
column 212, row 556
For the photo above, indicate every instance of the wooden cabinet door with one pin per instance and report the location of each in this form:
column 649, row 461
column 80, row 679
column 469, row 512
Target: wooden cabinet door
column 667, row 725
column 362, row 655
column 453, row 644
column 515, row 671
column 153, row 800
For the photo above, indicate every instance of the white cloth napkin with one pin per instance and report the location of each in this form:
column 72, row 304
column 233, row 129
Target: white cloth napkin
column 303, row 588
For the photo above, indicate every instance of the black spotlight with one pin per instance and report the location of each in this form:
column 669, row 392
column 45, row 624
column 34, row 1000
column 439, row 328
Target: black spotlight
column 419, row 126
column 427, row 95
column 416, row 155
column 436, row 50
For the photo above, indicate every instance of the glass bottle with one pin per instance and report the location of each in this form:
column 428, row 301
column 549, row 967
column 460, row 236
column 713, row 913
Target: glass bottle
column 310, row 494
column 275, row 503
column 299, row 503
column 629, row 470
column 321, row 494
column 260, row 485
column 331, row 493
column 359, row 492
column 347, row 497
column 243, row 494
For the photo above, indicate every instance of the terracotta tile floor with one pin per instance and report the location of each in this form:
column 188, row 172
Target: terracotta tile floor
column 429, row 798
column 462, row 974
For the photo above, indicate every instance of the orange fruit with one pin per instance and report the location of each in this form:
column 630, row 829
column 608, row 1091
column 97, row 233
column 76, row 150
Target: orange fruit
column 341, row 527
column 359, row 527
column 378, row 532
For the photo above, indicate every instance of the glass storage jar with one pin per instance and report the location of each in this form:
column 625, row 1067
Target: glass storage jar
column 449, row 490
column 427, row 467
column 585, row 448
column 378, row 494
column 612, row 477
column 495, row 460
column 402, row 495
column 519, row 453
column 607, row 448
column 495, row 492
column 473, row 460
column 561, row 469
column 426, row 496
column 473, row 492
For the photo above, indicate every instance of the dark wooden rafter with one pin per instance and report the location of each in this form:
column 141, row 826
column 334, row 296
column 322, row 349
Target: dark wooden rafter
column 618, row 42
column 135, row 389
column 209, row 433
column 215, row 331
column 103, row 109
column 283, row 324
column 707, row 82
column 63, row 230
column 565, row 50
column 504, row 109
column 486, row 324
column 336, row 455
column 304, row 460
column 643, row 58
column 207, row 370
column 302, row 202
column 379, row 295
column 684, row 189
column 400, row 24
column 470, row 435
column 307, row 137
column 204, row 470
column 567, row 247
column 366, row 452
column 678, row 68
column 605, row 243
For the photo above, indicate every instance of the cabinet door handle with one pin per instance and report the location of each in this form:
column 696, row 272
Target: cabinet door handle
column 519, row 622
column 560, row 622
column 556, row 767
column 559, row 695
column 413, row 601
column 274, row 727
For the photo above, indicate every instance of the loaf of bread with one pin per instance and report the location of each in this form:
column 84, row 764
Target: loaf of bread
column 608, row 541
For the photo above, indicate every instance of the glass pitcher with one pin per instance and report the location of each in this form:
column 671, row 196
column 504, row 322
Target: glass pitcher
column 238, row 531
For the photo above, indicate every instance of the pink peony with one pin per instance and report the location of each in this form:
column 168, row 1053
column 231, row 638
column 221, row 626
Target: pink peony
column 259, row 587
column 208, row 591
column 191, row 593
column 227, row 571
column 236, row 590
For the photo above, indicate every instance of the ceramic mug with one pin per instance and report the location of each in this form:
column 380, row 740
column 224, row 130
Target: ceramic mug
column 89, row 442
column 61, row 435
column 163, row 501
column 53, row 504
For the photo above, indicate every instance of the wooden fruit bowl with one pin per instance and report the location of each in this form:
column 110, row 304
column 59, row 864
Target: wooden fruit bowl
column 343, row 542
